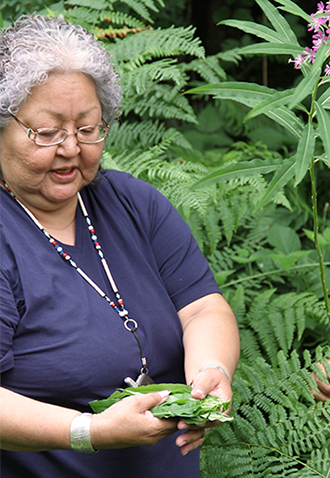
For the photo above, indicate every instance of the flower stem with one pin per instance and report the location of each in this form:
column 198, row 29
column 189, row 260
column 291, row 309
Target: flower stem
column 316, row 238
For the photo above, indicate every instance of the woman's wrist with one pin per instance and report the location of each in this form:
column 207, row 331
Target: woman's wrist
column 218, row 367
column 210, row 366
column 80, row 433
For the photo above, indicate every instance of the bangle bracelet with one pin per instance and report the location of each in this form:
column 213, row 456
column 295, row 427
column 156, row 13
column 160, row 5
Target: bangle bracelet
column 80, row 433
column 215, row 366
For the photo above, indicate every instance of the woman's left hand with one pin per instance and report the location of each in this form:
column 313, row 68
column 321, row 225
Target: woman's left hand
column 210, row 381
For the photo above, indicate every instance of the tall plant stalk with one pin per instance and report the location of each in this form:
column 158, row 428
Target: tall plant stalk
column 316, row 237
column 315, row 214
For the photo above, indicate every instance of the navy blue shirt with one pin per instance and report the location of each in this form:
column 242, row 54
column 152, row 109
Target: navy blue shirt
column 62, row 343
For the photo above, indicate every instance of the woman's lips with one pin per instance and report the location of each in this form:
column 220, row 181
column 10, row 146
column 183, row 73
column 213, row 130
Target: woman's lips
column 65, row 173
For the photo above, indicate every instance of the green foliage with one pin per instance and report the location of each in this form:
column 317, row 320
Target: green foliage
column 179, row 404
column 278, row 431
column 247, row 202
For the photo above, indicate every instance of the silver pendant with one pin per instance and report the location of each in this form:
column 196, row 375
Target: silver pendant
column 142, row 379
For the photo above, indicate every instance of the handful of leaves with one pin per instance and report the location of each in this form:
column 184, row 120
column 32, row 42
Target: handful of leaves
column 179, row 404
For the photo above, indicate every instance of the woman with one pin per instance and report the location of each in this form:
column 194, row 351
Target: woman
column 75, row 242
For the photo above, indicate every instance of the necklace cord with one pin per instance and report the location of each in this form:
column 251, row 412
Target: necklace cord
column 119, row 307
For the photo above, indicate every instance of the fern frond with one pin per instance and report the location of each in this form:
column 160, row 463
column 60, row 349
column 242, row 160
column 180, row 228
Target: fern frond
column 275, row 322
column 149, row 44
column 93, row 5
column 212, row 227
column 129, row 135
column 161, row 101
column 227, row 218
column 140, row 7
column 275, row 432
column 208, row 68
column 121, row 18
column 139, row 79
column 85, row 17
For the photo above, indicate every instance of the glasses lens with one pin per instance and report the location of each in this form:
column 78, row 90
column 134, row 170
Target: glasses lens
column 92, row 134
column 49, row 136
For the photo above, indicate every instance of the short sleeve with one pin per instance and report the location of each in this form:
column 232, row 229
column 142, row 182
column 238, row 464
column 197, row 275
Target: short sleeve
column 183, row 267
column 9, row 318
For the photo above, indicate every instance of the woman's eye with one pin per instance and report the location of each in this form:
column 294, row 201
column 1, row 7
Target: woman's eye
column 51, row 133
column 87, row 130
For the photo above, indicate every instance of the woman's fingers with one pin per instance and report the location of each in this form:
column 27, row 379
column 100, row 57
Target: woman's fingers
column 131, row 423
column 323, row 393
column 190, row 440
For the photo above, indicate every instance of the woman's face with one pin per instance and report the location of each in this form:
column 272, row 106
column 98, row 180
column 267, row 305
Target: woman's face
column 49, row 177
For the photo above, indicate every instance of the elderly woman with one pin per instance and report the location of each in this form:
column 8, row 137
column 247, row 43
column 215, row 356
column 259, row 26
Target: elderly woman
column 77, row 242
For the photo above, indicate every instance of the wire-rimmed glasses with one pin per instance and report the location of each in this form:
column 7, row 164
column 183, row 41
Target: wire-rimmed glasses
column 90, row 134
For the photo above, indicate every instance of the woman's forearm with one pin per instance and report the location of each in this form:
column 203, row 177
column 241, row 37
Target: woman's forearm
column 210, row 335
column 30, row 425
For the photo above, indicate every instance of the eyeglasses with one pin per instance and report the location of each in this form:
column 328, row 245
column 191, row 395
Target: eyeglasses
column 51, row 136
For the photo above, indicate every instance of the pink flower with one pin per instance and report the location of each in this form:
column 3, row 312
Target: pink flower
column 321, row 27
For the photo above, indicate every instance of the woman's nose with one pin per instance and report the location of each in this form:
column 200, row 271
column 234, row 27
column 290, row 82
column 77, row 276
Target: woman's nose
column 70, row 146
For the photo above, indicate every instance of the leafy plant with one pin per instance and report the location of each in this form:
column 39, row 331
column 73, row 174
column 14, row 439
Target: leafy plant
column 179, row 403
column 313, row 125
column 278, row 430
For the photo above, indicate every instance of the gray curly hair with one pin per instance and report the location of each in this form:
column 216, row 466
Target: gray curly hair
column 34, row 46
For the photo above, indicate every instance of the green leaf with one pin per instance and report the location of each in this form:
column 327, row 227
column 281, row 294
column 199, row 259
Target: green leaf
column 284, row 239
column 278, row 21
column 179, row 404
column 324, row 99
column 287, row 261
column 323, row 119
column 286, row 118
column 239, row 170
column 277, row 99
column 321, row 238
column 222, row 276
column 305, row 152
column 251, row 94
column 96, row 4
column 293, row 8
column 271, row 49
column 307, row 85
column 255, row 29
column 280, row 179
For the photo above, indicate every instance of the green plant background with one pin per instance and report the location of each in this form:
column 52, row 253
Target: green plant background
column 223, row 176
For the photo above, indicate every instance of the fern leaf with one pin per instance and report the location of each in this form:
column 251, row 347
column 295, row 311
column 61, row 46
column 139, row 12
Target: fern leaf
column 141, row 8
column 121, row 18
column 157, row 43
column 161, row 101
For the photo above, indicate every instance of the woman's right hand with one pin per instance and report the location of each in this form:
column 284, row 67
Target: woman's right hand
column 324, row 388
column 130, row 423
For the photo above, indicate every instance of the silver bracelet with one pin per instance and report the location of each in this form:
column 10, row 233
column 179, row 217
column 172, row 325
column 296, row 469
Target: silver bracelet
column 80, row 433
column 215, row 366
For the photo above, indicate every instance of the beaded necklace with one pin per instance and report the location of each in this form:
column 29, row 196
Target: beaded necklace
column 130, row 324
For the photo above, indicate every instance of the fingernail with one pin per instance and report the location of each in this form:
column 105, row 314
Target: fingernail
column 182, row 426
column 164, row 394
column 199, row 392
